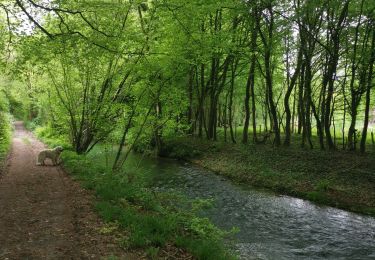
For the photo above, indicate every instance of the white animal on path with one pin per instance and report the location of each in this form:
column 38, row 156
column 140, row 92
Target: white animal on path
column 53, row 154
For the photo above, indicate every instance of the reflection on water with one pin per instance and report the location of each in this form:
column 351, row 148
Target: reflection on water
column 271, row 226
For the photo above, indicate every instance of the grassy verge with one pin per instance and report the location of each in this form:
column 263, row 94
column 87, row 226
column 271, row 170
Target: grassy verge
column 160, row 224
column 341, row 179
column 5, row 137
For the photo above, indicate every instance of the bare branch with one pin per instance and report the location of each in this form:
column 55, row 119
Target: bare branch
column 33, row 20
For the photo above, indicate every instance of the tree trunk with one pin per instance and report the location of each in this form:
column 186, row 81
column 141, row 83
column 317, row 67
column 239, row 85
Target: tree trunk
column 201, row 103
column 368, row 90
column 268, row 71
column 190, row 94
column 330, row 77
column 231, row 90
column 250, row 80
column 286, row 99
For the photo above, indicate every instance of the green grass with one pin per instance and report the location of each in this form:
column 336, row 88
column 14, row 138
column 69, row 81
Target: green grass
column 342, row 179
column 151, row 221
column 297, row 139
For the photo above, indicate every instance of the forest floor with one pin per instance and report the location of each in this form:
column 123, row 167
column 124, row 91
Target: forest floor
column 44, row 214
column 341, row 179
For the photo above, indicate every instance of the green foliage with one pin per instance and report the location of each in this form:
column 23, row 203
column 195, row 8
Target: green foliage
column 323, row 185
column 154, row 65
column 152, row 252
column 204, row 228
column 178, row 150
column 34, row 124
column 5, row 136
column 4, row 102
column 318, row 196
column 151, row 220
column 144, row 73
column 200, row 204
column 49, row 135
column 202, row 249
column 5, row 126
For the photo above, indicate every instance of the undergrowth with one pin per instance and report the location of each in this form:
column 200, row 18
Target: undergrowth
column 5, row 136
column 48, row 135
column 152, row 220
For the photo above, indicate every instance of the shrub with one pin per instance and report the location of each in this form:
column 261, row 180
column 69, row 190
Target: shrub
column 49, row 136
column 178, row 150
column 5, row 134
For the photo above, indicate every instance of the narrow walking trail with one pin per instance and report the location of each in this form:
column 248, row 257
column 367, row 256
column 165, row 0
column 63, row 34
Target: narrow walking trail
column 44, row 214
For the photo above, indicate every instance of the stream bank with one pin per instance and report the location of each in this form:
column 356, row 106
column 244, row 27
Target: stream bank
column 344, row 180
column 270, row 226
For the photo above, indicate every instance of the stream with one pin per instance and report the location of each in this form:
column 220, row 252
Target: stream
column 271, row 226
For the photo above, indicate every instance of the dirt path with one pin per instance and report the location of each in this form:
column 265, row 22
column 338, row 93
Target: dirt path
column 44, row 214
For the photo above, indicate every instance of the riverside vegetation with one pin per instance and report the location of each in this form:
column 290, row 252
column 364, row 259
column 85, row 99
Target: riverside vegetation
column 338, row 179
column 5, row 130
column 273, row 94
column 160, row 224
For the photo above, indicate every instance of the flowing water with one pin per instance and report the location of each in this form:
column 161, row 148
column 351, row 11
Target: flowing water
column 271, row 226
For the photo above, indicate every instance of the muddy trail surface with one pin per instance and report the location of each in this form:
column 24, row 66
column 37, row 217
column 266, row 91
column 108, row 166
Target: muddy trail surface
column 44, row 214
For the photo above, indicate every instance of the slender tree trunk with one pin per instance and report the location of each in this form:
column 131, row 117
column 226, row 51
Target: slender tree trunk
column 225, row 119
column 286, row 99
column 158, row 129
column 201, row 103
column 250, row 80
column 343, row 127
column 365, row 123
column 331, row 73
column 300, row 103
column 268, row 71
column 213, row 88
column 294, row 111
column 368, row 90
column 253, row 111
column 302, row 107
column 355, row 95
column 231, row 112
column 308, row 116
column 123, row 139
column 190, row 94
column 352, row 130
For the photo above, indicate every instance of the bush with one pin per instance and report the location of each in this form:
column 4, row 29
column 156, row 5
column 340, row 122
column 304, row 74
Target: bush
column 33, row 124
column 178, row 150
column 4, row 103
column 49, row 136
column 5, row 136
